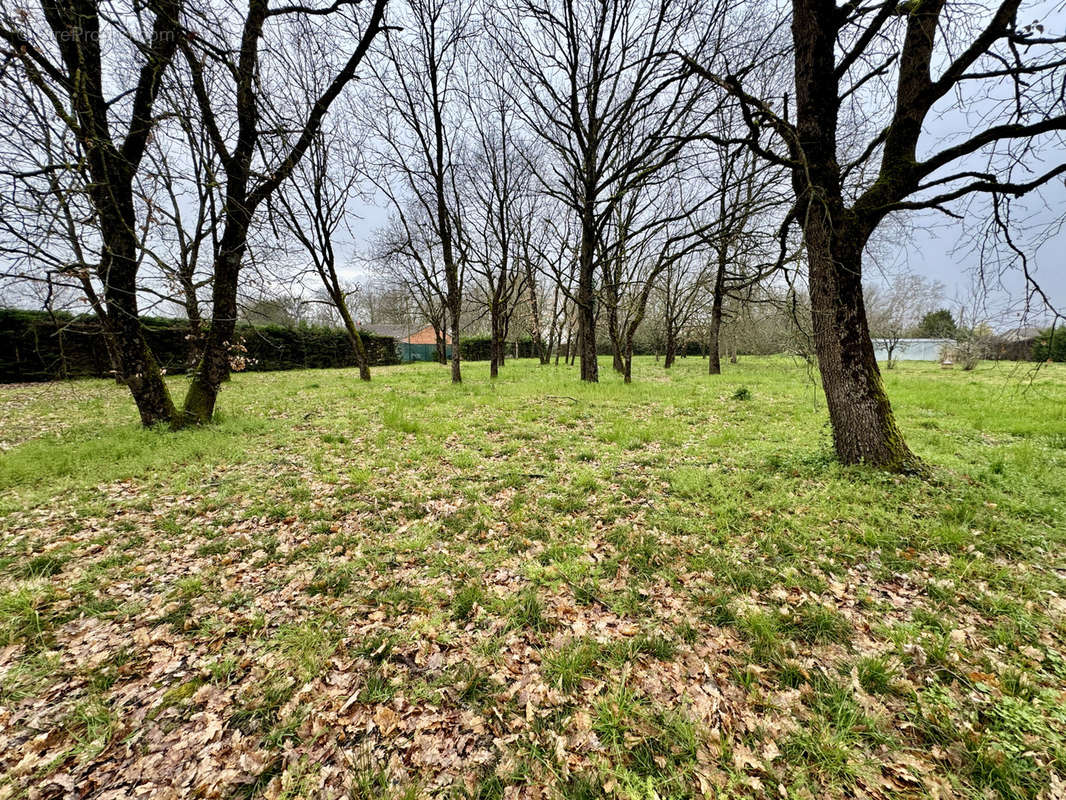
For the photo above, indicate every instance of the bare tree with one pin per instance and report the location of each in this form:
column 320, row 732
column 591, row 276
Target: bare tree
column 743, row 236
column 421, row 133
column 313, row 206
column 181, row 197
column 655, row 226
column 258, row 143
column 916, row 60
column 546, row 232
column 597, row 85
column 681, row 297
column 88, row 96
column 527, row 230
column 497, row 185
column 974, row 335
column 406, row 254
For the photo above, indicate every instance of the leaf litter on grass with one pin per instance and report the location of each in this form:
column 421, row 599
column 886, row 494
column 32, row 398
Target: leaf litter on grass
column 334, row 614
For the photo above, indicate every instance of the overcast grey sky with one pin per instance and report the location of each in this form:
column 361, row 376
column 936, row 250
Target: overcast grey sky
column 929, row 244
column 944, row 249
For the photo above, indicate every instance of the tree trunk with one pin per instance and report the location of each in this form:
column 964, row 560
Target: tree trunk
column 440, row 337
column 714, row 365
column 671, row 347
column 501, row 344
column 353, row 336
column 118, row 272
column 495, row 345
column 111, row 346
column 457, row 373
column 113, row 357
column 214, row 366
column 864, row 428
column 714, row 361
column 140, row 372
column 586, row 309
column 196, row 345
column 627, row 360
column 617, row 362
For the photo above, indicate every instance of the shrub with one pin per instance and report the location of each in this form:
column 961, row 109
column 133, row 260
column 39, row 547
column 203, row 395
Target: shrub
column 36, row 346
column 1050, row 345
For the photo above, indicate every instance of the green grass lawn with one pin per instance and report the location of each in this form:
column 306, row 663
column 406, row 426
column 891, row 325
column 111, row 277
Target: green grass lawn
column 534, row 588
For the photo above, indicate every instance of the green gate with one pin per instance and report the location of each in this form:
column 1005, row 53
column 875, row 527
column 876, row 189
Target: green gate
column 418, row 352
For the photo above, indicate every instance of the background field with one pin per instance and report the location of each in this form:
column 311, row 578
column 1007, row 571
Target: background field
column 504, row 589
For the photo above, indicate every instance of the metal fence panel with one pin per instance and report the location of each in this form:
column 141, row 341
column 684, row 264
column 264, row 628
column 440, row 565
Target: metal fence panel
column 418, row 352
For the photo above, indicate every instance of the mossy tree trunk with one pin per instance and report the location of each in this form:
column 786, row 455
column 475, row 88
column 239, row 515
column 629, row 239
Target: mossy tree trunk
column 138, row 367
column 214, row 366
column 358, row 348
column 864, row 427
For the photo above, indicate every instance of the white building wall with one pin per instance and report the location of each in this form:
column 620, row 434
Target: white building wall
column 912, row 349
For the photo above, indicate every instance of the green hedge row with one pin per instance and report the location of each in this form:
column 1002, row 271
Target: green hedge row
column 479, row 348
column 1048, row 347
column 35, row 346
column 643, row 347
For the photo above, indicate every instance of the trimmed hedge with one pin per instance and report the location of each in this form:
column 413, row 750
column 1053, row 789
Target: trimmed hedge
column 1050, row 348
column 35, row 346
column 479, row 348
column 645, row 347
